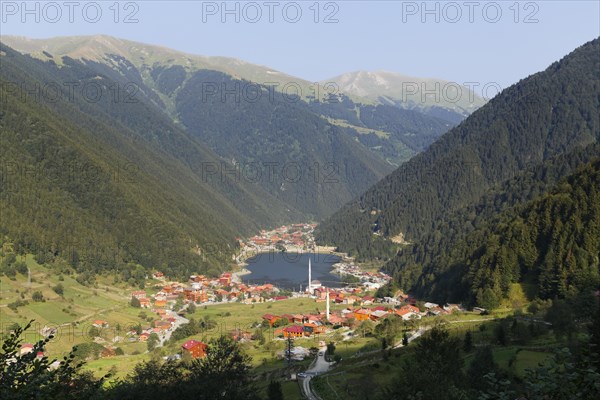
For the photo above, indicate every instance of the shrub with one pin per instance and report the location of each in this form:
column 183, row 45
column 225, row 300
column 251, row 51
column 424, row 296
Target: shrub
column 37, row 296
column 59, row 289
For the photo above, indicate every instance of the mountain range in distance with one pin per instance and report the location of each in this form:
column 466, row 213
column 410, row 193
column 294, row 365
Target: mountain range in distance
column 444, row 99
column 251, row 115
column 365, row 87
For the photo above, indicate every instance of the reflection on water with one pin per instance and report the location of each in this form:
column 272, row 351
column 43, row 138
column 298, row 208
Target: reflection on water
column 290, row 270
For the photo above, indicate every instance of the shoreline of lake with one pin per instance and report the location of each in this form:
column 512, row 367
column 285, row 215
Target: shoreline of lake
column 290, row 270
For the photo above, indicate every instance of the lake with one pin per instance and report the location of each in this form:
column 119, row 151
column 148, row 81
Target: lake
column 290, row 270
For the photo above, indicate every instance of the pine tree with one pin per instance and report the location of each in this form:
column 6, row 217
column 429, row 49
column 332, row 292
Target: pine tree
column 468, row 342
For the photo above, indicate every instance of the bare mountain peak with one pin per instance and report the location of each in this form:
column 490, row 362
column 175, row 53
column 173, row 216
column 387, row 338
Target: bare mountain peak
column 407, row 91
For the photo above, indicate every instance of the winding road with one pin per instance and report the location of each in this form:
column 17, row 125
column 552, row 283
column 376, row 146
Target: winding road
column 319, row 366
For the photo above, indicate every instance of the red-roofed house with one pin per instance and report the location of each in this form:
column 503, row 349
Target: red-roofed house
column 162, row 325
column 159, row 275
column 293, row 331
column 298, row 318
column 271, row 318
column 312, row 328
column 408, row 312
column 320, row 292
column 100, row 323
column 225, row 279
column 145, row 303
column 139, row 294
column 368, row 300
column 336, row 320
column 108, row 352
column 415, row 309
column 314, row 318
column 289, row 317
column 362, row 315
column 238, row 334
column 378, row 314
column 161, row 311
column 195, row 348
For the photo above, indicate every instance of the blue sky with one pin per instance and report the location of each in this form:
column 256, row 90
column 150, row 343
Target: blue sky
column 480, row 41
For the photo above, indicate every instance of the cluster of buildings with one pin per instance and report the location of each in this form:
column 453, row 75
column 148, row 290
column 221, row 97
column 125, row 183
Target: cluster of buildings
column 291, row 237
column 369, row 280
column 307, row 325
column 361, row 306
column 198, row 290
column 202, row 289
column 161, row 326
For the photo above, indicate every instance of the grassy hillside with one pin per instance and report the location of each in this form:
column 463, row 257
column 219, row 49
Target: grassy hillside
column 71, row 312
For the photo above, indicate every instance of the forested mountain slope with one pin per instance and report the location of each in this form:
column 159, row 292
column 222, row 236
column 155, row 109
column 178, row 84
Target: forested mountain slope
column 107, row 182
column 295, row 154
column 490, row 236
column 348, row 143
column 547, row 114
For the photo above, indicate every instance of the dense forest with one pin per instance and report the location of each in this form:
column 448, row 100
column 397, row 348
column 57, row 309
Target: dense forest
column 547, row 114
column 111, row 182
column 551, row 242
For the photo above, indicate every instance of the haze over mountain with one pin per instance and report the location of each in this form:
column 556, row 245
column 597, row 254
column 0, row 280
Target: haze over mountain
column 440, row 98
column 348, row 143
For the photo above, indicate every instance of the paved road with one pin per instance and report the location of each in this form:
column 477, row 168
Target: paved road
column 320, row 366
column 179, row 320
column 317, row 367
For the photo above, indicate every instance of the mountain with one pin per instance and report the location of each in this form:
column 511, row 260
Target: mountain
column 435, row 97
column 296, row 155
column 550, row 113
column 498, row 241
column 107, row 181
column 348, row 143
column 142, row 56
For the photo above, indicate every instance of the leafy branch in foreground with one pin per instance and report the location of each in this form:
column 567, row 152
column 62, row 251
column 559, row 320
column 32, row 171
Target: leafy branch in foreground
column 29, row 376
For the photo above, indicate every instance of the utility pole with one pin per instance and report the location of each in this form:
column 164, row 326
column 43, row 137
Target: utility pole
column 309, row 278
column 327, row 307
